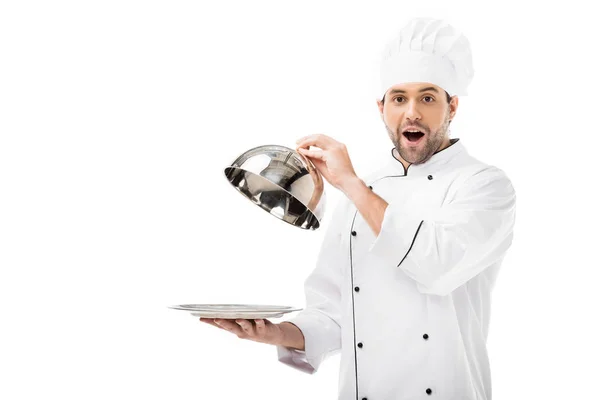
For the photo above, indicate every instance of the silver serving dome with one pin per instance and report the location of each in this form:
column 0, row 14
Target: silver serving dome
column 282, row 182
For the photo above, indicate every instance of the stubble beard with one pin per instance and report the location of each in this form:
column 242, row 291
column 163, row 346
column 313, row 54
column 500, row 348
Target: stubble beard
column 433, row 142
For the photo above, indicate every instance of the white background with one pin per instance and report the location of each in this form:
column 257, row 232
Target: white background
column 118, row 117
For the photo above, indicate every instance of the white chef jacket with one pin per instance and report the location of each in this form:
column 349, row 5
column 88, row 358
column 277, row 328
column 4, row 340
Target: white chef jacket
column 409, row 309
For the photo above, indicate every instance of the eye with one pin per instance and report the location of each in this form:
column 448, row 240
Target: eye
column 396, row 98
column 428, row 97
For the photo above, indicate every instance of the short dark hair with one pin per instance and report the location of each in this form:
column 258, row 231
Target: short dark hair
column 448, row 98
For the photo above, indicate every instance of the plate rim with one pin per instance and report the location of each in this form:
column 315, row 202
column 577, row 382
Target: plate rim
column 243, row 307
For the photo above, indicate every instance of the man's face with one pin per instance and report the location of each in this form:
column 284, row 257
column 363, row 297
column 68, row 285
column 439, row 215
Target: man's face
column 422, row 107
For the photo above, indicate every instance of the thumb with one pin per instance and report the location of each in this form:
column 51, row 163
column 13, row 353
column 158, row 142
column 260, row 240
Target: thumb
column 320, row 165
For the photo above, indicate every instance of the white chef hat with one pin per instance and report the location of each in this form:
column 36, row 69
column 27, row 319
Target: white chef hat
column 427, row 50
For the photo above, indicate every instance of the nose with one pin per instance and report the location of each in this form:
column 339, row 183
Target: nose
column 412, row 113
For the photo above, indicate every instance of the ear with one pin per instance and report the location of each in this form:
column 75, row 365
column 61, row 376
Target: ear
column 453, row 106
column 380, row 106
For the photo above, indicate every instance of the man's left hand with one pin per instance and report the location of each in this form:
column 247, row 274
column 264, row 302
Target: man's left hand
column 330, row 158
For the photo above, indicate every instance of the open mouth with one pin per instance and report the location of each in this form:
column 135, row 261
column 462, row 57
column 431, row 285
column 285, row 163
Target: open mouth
column 413, row 137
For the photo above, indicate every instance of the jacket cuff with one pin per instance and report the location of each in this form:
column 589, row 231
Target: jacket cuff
column 295, row 359
column 318, row 344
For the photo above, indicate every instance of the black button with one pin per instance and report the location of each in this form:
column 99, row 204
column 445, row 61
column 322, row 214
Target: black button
column 360, row 345
column 364, row 398
column 428, row 391
column 429, row 177
column 425, row 336
column 353, row 233
column 371, row 187
column 356, row 289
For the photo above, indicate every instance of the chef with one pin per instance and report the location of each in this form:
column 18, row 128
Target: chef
column 402, row 286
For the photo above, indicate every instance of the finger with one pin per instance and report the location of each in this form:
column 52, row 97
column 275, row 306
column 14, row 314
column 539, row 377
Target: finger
column 210, row 321
column 318, row 154
column 229, row 326
column 305, row 146
column 321, row 166
column 318, row 157
column 260, row 325
column 316, row 136
column 246, row 326
column 318, row 140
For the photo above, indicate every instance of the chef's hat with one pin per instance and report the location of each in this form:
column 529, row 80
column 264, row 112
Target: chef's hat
column 428, row 50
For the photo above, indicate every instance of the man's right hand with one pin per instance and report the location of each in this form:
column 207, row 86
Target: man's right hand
column 261, row 330
column 258, row 330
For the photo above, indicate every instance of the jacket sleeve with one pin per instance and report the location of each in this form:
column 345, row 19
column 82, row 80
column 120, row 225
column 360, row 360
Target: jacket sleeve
column 320, row 319
column 441, row 249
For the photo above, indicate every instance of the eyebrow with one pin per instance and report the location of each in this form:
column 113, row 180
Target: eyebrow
column 425, row 89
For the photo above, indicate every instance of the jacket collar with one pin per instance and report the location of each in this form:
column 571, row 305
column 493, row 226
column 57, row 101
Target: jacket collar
column 435, row 163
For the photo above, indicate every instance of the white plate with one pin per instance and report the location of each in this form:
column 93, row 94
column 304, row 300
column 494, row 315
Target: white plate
column 256, row 315
column 233, row 311
column 232, row 307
